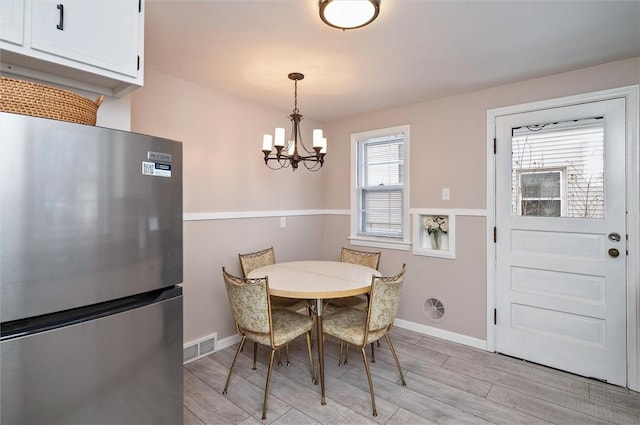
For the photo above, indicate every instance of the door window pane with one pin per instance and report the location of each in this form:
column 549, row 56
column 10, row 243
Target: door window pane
column 557, row 169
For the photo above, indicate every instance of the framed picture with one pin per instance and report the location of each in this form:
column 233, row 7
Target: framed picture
column 434, row 233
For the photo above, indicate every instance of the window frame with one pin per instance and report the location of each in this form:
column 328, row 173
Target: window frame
column 379, row 241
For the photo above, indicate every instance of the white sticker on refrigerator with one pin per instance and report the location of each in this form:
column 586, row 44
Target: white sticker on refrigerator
column 156, row 169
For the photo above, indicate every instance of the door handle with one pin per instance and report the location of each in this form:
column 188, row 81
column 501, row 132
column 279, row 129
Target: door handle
column 60, row 26
column 614, row 237
column 614, row 252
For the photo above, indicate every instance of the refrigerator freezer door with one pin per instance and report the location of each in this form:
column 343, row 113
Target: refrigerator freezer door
column 124, row 368
column 87, row 215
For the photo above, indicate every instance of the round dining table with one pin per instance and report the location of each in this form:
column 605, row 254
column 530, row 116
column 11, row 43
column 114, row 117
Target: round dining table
column 317, row 280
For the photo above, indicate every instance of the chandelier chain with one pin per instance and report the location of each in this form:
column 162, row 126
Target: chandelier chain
column 295, row 97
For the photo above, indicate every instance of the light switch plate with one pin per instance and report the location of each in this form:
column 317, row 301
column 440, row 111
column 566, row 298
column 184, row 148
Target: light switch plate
column 446, row 194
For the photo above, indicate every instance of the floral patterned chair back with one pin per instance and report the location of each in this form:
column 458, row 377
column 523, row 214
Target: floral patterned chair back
column 249, row 302
column 364, row 258
column 253, row 260
column 385, row 297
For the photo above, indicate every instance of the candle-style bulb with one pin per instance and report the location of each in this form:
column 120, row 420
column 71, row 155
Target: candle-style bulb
column 266, row 142
column 317, row 137
column 279, row 137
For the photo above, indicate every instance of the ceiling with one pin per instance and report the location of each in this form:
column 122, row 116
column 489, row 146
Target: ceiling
column 417, row 50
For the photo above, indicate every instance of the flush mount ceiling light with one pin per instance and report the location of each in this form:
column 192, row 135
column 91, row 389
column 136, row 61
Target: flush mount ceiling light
column 349, row 14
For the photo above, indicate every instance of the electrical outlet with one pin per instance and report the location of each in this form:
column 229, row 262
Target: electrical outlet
column 446, row 194
column 283, row 221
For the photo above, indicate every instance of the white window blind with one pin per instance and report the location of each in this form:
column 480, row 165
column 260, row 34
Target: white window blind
column 381, row 186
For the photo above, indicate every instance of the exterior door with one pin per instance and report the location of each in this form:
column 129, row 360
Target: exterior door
column 561, row 238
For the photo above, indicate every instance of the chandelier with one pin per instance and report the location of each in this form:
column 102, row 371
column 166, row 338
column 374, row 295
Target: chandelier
column 294, row 151
column 349, row 14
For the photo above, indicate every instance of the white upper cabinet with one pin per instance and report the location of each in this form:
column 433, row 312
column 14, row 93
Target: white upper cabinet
column 12, row 21
column 99, row 33
column 93, row 45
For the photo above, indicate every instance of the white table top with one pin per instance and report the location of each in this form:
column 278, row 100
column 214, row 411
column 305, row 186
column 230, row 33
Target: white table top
column 316, row 279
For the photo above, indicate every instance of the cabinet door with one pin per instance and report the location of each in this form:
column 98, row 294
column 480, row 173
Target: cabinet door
column 12, row 21
column 104, row 34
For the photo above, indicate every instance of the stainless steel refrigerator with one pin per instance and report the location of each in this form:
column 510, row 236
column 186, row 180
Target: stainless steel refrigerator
column 90, row 256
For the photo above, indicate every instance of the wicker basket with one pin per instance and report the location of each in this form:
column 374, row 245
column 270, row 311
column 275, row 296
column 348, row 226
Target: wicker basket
column 27, row 98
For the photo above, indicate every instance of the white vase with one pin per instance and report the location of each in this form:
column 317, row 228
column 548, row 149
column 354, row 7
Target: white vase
column 436, row 240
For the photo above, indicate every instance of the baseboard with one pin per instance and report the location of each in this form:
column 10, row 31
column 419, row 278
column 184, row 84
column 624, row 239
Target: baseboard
column 442, row 334
column 228, row 342
column 202, row 347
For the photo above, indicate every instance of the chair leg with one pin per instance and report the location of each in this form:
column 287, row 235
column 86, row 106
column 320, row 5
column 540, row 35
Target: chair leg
column 344, row 349
column 266, row 387
column 287, row 353
column 279, row 359
column 311, row 368
column 395, row 356
column 366, row 367
column 373, row 354
column 235, row 358
column 255, row 355
column 312, row 314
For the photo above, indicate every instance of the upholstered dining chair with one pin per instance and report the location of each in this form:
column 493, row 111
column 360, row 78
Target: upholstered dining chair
column 362, row 327
column 256, row 321
column 363, row 258
column 265, row 257
column 253, row 260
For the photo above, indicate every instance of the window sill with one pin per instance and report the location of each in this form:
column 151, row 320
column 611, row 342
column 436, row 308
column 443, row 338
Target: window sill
column 379, row 243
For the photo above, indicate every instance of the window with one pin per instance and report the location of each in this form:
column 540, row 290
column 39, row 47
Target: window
column 558, row 169
column 541, row 193
column 379, row 201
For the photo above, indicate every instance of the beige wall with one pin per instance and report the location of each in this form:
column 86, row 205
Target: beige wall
column 224, row 173
column 222, row 137
column 448, row 149
column 211, row 244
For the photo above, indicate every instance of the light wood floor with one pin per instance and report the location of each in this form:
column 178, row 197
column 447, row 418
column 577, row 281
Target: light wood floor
column 447, row 383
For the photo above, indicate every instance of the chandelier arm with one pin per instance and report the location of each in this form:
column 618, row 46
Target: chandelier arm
column 282, row 161
column 315, row 159
column 274, row 168
column 315, row 167
column 285, row 161
column 304, row 147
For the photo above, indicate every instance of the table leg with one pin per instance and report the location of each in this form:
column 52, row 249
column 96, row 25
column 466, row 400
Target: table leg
column 320, row 348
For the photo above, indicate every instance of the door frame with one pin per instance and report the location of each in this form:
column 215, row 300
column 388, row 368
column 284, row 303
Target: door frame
column 632, row 199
